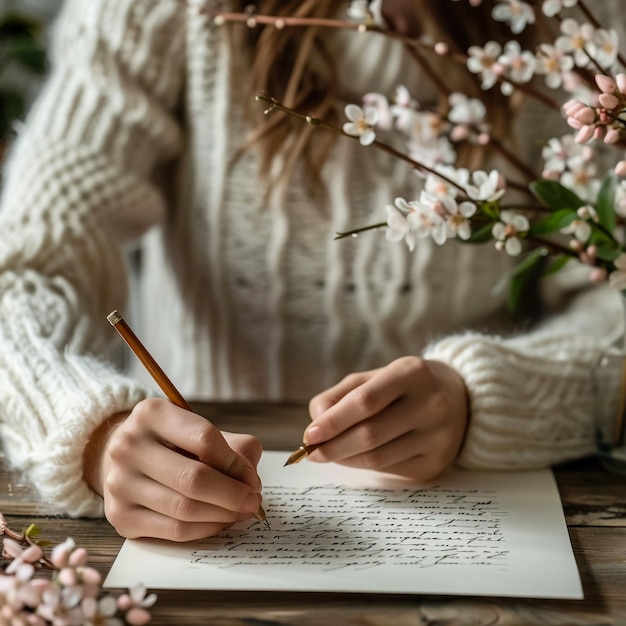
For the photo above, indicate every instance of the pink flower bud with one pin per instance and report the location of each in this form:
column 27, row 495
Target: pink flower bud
column 598, row 132
column 68, row 577
column 620, row 168
column 78, row 557
column 459, row 133
column 598, row 275
column 586, row 116
column 90, row 576
column 484, row 139
column 584, row 134
column 441, row 48
column 608, row 101
column 612, row 135
column 11, row 548
column 32, row 554
column 592, row 251
column 605, row 83
column 621, row 82
column 572, row 106
column 137, row 616
column 572, row 122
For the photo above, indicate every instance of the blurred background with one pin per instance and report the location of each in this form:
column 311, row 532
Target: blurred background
column 24, row 32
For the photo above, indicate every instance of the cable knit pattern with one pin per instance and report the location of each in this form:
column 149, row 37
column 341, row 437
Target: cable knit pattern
column 77, row 187
column 236, row 300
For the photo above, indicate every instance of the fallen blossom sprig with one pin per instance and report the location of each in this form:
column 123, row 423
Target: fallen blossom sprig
column 573, row 207
column 60, row 589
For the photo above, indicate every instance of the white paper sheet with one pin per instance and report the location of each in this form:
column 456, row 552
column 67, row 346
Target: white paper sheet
column 335, row 529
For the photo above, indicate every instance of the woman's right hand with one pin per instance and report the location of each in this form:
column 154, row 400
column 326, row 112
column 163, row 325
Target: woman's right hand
column 152, row 489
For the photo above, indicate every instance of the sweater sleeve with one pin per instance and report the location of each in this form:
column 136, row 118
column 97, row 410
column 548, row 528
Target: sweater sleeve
column 533, row 398
column 78, row 186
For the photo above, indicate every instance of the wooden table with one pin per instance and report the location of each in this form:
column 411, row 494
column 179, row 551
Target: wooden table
column 594, row 501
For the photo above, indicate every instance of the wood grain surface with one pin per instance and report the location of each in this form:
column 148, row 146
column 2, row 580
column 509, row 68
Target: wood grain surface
column 594, row 502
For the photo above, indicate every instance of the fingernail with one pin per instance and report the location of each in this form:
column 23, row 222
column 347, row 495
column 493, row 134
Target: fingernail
column 251, row 503
column 313, row 434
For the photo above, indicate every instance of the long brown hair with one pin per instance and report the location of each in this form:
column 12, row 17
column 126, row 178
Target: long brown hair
column 294, row 65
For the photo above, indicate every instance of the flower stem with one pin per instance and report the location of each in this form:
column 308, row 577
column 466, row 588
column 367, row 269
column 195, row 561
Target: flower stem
column 356, row 231
column 314, row 121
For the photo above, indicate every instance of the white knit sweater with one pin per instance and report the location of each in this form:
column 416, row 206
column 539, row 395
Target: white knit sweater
column 132, row 137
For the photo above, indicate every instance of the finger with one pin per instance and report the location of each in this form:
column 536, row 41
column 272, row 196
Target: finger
column 246, row 446
column 138, row 522
column 196, row 435
column 199, row 481
column 360, row 403
column 154, row 496
column 324, row 400
column 394, row 421
column 411, row 456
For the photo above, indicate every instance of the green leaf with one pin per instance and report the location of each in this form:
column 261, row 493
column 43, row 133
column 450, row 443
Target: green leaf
column 481, row 235
column 32, row 531
column 605, row 203
column 524, row 276
column 555, row 196
column 12, row 107
column 27, row 53
column 554, row 222
column 608, row 252
column 557, row 265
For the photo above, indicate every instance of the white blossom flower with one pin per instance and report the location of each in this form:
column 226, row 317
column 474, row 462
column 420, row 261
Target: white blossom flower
column 485, row 187
column 361, row 123
column 455, row 216
column 100, row 612
column 403, row 108
column 446, row 183
column 398, row 225
column 379, row 102
column 558, row 153
column 576, row 38
column 617, row 278
column 484, row 61
column 551, row 7
column 553, row 63
column 433, row 154
column 581, row 178
column 358, row 10
column 135, row 603
column 516, row 13
column 465, row 110
column 605, row 46
column 620, row 199
column 580, row 229
column 508, row 229
column 366, row 12
column 520, row 64
column 426, row 222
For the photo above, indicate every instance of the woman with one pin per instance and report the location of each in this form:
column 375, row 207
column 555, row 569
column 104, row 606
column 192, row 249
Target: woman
column 144, row 130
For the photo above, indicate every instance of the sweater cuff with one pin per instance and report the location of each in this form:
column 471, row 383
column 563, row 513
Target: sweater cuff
column 46, row 440
column 526, row 409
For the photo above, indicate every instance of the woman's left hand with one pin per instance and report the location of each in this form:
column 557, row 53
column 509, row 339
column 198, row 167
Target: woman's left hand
column 408, row 419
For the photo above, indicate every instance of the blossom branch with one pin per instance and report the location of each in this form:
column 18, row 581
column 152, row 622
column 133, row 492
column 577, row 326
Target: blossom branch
column 596, row 24
column 314, row 121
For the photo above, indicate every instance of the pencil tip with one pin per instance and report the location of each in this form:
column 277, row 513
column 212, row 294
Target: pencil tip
column 114, row 317
column 261, row 515
column 297, row 456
